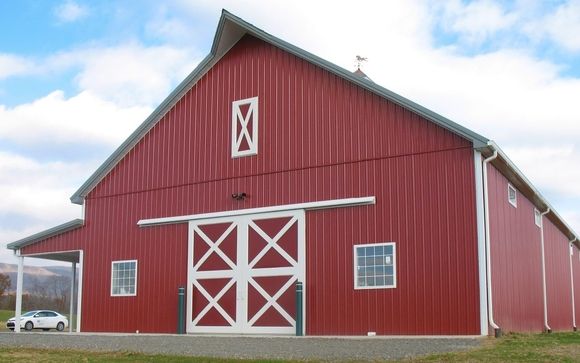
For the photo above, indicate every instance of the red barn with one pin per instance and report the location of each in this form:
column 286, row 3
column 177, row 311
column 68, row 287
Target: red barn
column 269, row 166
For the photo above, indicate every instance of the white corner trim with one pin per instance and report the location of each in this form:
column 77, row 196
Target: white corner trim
column 324, row 204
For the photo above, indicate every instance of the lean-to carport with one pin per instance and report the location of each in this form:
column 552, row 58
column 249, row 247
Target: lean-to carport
column 74, row 257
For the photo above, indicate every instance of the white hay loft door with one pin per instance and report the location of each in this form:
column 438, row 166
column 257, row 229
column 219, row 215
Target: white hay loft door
column 243, row 271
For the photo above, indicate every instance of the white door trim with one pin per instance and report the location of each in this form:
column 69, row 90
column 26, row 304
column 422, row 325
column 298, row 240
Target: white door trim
column 323, row 204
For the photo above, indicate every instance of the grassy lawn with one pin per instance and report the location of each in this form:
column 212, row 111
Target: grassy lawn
column 5, row 315
column 555, row 347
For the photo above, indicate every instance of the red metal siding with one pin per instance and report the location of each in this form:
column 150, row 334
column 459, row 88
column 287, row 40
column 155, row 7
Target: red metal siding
column 308, row 118
column 515, row 259
column 517, row 264
column 559, row 292
column 320, row 138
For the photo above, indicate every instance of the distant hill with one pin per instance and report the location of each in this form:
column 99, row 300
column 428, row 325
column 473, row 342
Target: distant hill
column 34, row 274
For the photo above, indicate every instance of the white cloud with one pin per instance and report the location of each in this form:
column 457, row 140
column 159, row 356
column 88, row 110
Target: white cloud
column 69, row 11
column 563, row 26
column 83, row 118
column 12, row 65
column 132, row 74
column 476, row 20
column 38, row 193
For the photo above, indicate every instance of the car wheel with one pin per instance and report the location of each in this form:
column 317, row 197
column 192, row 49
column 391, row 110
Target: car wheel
column 60, row 326
column 28, row 326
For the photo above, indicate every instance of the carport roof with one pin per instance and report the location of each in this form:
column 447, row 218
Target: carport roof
column 51, row 232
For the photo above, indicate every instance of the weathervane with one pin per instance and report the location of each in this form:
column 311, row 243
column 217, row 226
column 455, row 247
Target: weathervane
column 360, row 60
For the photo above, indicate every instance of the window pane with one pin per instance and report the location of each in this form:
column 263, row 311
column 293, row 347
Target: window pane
column 389, row 270
column 360, row 251
column 380, row 281
column 361, row 281
column 361, row 261
column 370, row 271
column 378, row 250
column 389, row 280
column 388, row 250
column 370, row 261
column 369, row 251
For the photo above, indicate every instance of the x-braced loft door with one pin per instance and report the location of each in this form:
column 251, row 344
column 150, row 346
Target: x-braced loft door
column 243, row 271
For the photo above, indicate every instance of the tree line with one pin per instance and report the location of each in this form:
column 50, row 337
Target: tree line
column 52, row 293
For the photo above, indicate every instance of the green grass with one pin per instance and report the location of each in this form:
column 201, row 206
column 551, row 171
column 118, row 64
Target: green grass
column 46, row 355
column 555, row 347
column 5, row 315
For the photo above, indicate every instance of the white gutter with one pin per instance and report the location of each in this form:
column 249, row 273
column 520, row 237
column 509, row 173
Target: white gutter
column 572, row 284
column 546, row 326
column 497, row 329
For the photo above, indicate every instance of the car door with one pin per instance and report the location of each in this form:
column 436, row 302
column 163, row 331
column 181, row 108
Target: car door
column 51, row 320
column 39, row 319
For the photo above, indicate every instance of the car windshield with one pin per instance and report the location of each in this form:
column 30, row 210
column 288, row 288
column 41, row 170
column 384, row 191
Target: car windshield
column 30, row 313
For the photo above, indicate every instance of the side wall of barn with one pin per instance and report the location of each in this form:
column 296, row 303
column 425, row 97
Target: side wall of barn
column 516, row 263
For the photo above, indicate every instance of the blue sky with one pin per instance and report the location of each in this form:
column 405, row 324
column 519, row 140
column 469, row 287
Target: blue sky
column 76, row 77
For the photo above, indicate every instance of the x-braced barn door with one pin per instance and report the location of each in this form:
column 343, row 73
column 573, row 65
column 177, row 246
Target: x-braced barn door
column 243, row 271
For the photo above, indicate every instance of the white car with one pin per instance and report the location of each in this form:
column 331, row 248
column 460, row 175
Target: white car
column 40, row 319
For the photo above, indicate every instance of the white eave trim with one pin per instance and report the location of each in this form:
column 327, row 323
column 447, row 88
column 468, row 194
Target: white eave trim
column 324, row 204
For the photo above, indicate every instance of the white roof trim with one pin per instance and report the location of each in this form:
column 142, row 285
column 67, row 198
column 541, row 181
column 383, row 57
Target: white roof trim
column 324, row 204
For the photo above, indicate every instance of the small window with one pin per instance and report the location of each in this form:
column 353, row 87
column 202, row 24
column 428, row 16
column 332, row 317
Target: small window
column 375, row 266
column 537, row 217
column 245, row 127
column 512, row 196
column 124, row 278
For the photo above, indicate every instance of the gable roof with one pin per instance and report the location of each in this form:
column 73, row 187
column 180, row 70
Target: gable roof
column 231, row 29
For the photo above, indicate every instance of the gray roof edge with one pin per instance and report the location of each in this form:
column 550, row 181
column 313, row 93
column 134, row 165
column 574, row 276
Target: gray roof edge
column 51, row 232
column 133, row 139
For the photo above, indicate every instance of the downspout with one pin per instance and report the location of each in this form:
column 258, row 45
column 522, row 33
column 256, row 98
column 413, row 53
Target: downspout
column 496, row 328
column 572, row 285
column 546, row 326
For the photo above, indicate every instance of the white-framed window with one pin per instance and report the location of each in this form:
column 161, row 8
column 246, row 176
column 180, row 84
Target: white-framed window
column 245, row 127
column 375, row 266
column 124, row 278
column 537, row 217
column 512, row 195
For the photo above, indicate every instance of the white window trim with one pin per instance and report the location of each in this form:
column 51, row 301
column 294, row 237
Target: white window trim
column 136, row 275
column 537, row 218
column 355, row 265
column 253, row 134
column 515, row 201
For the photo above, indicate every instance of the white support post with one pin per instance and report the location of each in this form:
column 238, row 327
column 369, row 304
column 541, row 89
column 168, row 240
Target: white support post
column 80, row 291
column 19, row 278
column 72, row 294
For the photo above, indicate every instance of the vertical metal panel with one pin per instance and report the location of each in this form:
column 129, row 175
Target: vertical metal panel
column 320, row 138
column 517, row 268
column 557, row 278
column 515, row 259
